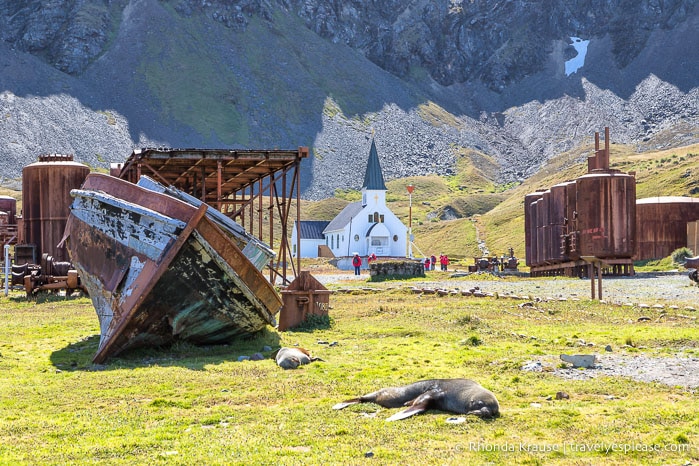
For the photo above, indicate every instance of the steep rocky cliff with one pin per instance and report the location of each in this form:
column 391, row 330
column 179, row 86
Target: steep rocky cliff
column 505, row 80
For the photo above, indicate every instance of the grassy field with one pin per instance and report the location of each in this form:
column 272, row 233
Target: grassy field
column 192, row 405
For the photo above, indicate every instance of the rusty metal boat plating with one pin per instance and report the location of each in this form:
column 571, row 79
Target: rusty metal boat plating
column 159, row 269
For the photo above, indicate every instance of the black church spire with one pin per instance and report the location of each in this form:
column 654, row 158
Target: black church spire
column 373, row 178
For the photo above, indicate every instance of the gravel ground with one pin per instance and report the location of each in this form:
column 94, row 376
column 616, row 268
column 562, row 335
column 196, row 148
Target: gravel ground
column 675, row 370
column 644, row 289
column 652, row 290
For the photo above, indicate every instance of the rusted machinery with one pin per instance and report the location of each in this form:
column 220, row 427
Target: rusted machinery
column 503, row 263
column 39, row 263
column 593, row 216
column 49, row 275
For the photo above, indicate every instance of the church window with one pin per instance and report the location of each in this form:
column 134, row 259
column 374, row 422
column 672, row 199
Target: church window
column 395, row 238
column 375, row 242
column 371, row 218
column 332, row 242
column 337, row 240
column 356, row 237
column 376, row 217
column 381, row 218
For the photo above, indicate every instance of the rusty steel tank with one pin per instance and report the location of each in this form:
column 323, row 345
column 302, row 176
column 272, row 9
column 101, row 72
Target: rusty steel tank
column 530, row 244
column 9, row 206
column 557, row 221
column 542, row 221
column 663, row 225
column 606, row 214
column 46, row 200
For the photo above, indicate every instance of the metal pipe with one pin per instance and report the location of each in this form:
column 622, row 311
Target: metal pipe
column 7, row 269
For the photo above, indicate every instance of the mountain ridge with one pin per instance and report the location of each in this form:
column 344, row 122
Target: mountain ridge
column 98, row 79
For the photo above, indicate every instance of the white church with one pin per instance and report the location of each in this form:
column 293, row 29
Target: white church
column 365, row 227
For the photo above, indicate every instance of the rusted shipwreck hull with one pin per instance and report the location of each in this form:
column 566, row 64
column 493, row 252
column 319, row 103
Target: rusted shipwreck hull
column 159, row 269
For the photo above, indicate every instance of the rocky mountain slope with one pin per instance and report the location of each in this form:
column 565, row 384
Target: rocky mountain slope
column 434, row 82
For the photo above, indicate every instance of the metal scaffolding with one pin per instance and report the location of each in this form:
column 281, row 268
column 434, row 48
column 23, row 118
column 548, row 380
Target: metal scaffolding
column 237, row 183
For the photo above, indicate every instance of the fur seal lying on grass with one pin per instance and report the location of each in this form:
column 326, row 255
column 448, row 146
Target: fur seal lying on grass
column 291, row 358
column 460, row 396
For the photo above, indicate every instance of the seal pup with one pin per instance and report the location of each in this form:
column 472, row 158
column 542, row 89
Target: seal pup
column 291, row 358
column 462, row 396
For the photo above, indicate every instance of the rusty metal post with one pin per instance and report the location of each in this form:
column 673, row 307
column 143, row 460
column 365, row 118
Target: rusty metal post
column 218, row 185
column 591, row 272
column 297, row 167
column 599, row 280
column 284, row 220
column 271, row 222
column 203, row 184
column 251, row 202
column 259, row 208
column 606, row 148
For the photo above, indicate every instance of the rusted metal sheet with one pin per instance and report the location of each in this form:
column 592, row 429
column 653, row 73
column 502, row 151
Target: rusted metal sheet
column 159, row 270
column 693, row 236
column 303, row 297
column 662, row 225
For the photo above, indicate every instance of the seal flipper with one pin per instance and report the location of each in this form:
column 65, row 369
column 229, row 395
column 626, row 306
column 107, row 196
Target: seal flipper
column 418, row 405
column 347, row 403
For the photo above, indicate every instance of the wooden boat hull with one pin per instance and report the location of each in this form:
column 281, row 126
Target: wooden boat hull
column 159, row 270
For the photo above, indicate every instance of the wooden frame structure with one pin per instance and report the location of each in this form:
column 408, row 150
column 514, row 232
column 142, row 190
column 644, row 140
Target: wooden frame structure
column 235, row 182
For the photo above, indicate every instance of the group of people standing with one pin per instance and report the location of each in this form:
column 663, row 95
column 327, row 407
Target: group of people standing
column 429, row 262
column 432, row 260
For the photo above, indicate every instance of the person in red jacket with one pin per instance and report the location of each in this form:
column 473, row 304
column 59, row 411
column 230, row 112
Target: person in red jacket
column 444, row 261
column 357, row 263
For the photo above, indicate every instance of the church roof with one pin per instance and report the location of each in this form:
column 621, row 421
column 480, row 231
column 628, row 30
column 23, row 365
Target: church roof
column 344, row 217
column 312, row 229
column 373, row 178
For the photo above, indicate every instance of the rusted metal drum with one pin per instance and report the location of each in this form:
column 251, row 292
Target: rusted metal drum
column 606, row 207
column 46, row 200
column 9, row 206
column 663, row 225
column 530, row 227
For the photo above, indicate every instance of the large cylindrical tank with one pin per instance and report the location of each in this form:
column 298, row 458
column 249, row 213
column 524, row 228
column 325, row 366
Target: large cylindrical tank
column 530, row 227
column 46, row 200
column 606, row 208
column 542, row 220
column 9, row 206
column 661, row 225
column 557, row 221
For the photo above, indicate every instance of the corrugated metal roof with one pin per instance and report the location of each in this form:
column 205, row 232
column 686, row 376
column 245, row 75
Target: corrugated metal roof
column 312, row 229
column 344, row 217
column 373, row 178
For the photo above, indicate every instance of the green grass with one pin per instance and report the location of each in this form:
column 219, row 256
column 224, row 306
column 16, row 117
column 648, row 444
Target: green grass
column 191, row 405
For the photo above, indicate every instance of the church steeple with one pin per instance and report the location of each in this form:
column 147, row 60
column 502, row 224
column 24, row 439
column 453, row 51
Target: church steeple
column 373, row 178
